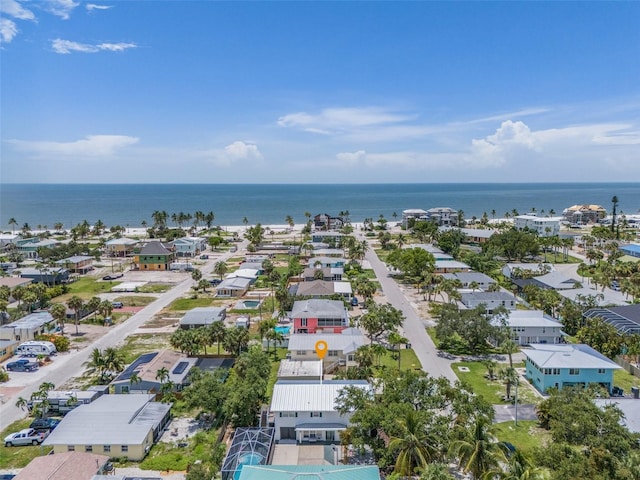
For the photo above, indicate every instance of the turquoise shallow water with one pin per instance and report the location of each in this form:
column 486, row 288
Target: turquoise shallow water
column 270, row 204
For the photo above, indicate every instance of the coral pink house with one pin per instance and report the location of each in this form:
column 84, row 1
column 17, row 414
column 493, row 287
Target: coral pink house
column 318, row 315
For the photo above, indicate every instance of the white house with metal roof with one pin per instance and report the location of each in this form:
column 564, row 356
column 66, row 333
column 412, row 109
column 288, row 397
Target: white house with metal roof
column 532, row 326
column 305, row 411
column 491, row 300
column 113, row 425
column 233, row 287
column 341, row 347
column 543, row 226
column 567, row 365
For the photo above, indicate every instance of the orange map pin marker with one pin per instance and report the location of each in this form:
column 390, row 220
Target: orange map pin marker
column 321, row 348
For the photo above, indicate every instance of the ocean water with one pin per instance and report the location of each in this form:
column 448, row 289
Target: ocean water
column 129, row 205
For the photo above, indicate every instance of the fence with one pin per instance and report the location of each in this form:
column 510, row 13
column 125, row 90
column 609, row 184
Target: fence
column 632, row 369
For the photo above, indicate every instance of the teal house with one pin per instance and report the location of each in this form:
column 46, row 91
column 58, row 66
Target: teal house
column 301, row 472
column 567, row 365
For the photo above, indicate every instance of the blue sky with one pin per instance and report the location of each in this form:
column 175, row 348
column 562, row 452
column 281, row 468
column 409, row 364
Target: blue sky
column 319, row 92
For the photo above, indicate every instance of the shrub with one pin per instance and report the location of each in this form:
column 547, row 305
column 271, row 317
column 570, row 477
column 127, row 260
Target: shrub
column 62, row 343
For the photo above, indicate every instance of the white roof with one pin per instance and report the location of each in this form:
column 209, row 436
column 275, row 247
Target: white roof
column 110, row 420
column 335, row 341
column 250, row 273
column 529, row 318
column 451, row 264
column 238, row 283
column 342, row 287
column 414, row 211
column 567, row 356
column 121, row 241
column 300, row 368
column 310, row 396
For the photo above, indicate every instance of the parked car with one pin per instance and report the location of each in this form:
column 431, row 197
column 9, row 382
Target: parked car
column 354, row 301
column 117, row 304
column 44, row 424
column 204, row 257
column 28, row 436
column 22, row 365
column 215, row 282
column 112, row 276
column 615, row 286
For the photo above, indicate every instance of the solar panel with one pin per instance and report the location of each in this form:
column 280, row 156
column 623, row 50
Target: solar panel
column 181, row 367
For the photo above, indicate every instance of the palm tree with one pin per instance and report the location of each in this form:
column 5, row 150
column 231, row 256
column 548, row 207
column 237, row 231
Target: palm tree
column 105, row 308
column 289, row 220
column 412, row 445
column 519, row 467
column 614, row 201
column 217, row 333
column 59, row 312
column 220, row 268
column 134, row 379
column 76, row 304
column 22, row 403
column 162, row 374
column 480, row 452
column 12, row 223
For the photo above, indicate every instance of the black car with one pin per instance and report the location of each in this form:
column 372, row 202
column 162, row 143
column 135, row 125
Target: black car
column 112, row 276
column 44, row 424
column 215, row 282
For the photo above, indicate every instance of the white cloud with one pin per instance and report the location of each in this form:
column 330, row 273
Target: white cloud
column 15, row 9
column 91, row 145
column 67, row 46
column 241, row 151
column 8, row 30
column 92, row 6
column 61, row 8
column 340, row 120
column 352, row 158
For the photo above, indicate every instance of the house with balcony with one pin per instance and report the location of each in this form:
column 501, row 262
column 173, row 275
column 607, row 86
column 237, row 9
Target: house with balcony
column 305, row 410
column 341, row 347
column 567, row 365
column 325, row 222
column 28, row 247
column 189, row 246
column 583, row 214
column 319, row 315
column 120, row 247
column 531, row 326
column 491, row 300
column 322, row 262
column 77, row 264
column 412, row 215
column 542, row 226
column 443, row 216
column 329, row 274
column 154, row 256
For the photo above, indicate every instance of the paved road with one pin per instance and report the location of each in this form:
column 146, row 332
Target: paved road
column 414, row 326
column 67, row 366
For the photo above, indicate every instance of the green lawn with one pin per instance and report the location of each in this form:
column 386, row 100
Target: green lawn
column 526, row 436
column 19, row 457
column 276, row 355
column 625, row 380
column 85, row 288
column 408, row 360
column 184, row 304
column 492, row 390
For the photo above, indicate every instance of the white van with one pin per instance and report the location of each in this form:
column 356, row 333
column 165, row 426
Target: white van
column 34, row 348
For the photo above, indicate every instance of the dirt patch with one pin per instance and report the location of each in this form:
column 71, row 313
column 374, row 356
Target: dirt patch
column 161, row 322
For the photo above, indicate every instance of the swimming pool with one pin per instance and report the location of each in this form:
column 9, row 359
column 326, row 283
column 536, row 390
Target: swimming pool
column 247, row 304
column 283, row 330
column 247, row 459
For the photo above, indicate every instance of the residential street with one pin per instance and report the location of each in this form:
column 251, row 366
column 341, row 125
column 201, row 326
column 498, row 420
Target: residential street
column 414, row 326
column 70, row 365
